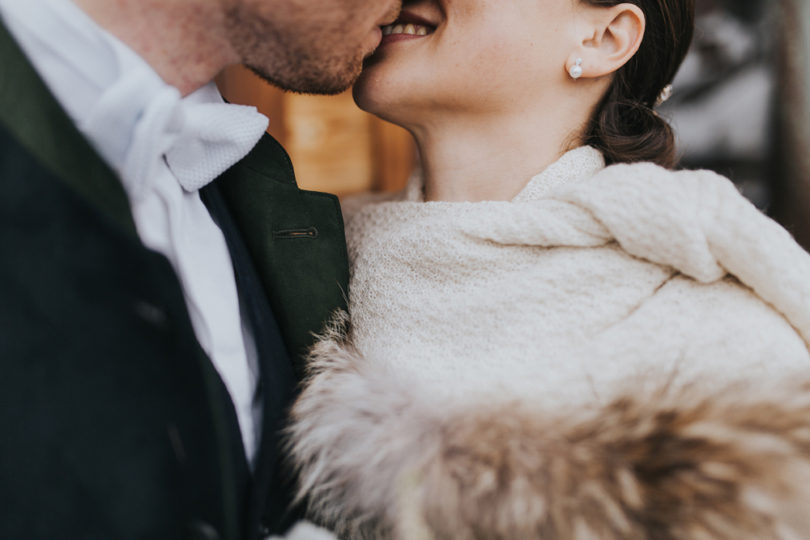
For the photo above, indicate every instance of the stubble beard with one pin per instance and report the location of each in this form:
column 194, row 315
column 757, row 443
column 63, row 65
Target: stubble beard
column 310, row 76
column 292, row 60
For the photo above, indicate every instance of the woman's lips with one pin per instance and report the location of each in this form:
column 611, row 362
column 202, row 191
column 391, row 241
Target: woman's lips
column 407, row 27
column 392, row 35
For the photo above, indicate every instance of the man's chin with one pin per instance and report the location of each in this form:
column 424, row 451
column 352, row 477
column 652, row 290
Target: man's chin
column 321, row 83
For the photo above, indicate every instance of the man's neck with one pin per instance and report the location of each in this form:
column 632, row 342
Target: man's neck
column 185, row 41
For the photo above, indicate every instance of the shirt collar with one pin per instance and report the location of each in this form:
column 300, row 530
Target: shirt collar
column 131, row 116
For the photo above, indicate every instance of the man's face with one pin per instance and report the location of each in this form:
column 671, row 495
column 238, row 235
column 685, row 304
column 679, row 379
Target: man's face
column 312, row 46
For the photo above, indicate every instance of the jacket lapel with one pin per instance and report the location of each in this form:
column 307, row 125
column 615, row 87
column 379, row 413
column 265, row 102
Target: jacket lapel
column 297, row 242
column 37, row 121
column 295, row 237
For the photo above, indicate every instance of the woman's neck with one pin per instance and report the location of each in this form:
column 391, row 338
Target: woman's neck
column 479, row 158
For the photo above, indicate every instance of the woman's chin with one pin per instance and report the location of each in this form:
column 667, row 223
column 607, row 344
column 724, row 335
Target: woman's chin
column 392, row 91
column 393, row 84
column 374, row 95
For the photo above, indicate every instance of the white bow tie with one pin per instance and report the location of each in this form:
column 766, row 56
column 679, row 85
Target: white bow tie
column 199, row 136
column 212, row 137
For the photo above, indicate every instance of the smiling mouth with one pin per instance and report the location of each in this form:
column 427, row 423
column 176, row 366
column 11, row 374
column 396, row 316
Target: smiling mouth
column 406, row 30
column 407, row 26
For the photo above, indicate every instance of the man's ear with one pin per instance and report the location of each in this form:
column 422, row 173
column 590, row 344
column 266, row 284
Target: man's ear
column 611, row 37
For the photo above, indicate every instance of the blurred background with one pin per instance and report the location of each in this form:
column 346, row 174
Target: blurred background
column 740, row 106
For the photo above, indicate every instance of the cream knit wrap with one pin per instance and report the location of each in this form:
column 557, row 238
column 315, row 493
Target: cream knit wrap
column 589, row 275
column 558, row 366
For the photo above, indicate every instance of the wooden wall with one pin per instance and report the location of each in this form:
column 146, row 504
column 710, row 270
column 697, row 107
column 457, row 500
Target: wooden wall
column 334, row 146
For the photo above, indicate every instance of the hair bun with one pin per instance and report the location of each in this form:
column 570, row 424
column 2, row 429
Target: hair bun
column 625, row 127
column 629, row 132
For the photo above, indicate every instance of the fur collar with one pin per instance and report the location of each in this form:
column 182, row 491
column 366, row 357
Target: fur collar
column 380, row 458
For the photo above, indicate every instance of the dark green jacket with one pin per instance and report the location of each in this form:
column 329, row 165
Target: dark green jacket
column 113, row 422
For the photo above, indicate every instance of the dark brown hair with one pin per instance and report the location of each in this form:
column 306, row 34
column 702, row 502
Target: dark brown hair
column 625, row 127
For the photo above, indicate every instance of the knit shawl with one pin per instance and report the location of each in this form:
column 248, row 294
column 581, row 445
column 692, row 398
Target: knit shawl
column 535, row 317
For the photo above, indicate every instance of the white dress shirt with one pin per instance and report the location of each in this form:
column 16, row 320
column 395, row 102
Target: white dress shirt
column 164, row 148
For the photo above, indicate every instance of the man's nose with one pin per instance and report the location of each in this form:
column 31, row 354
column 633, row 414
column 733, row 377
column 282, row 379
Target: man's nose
column 392, row 14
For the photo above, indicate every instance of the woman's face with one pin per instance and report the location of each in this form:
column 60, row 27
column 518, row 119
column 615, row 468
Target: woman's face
column 469, row 56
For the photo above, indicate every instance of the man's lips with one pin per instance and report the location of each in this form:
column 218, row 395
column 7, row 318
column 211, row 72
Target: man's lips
column 374, row 40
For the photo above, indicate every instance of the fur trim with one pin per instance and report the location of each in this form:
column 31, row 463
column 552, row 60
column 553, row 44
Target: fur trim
column 379, row 458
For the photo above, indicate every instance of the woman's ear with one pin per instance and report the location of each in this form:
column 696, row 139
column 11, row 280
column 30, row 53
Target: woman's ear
column 611, row 37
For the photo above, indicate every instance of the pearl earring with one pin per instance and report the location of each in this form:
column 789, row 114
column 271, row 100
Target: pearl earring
column 576, row 69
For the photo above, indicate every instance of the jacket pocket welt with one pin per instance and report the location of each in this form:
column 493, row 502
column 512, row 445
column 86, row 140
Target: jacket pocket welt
column 309, row 233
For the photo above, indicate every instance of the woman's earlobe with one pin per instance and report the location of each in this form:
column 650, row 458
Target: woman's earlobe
column 611, row 38
column 575, row 71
